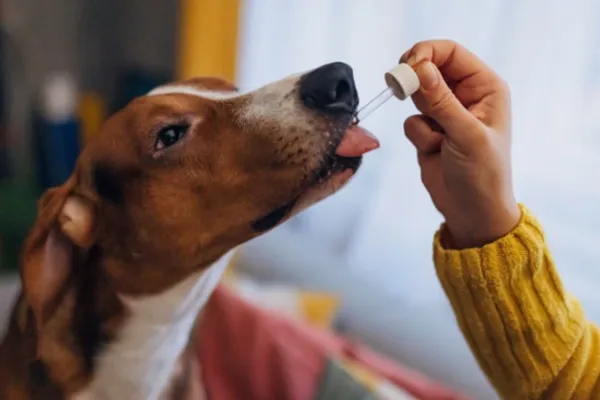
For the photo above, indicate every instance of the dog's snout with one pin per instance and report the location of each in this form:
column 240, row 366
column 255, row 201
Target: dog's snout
column 330, row 89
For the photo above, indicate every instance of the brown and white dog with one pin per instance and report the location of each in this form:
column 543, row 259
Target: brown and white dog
column 124, row 255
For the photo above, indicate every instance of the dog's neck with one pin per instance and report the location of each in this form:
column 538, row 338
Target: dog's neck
column 140, row 362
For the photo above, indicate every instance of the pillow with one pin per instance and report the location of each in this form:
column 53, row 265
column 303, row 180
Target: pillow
column 252, row 354
column 317, row 309
column 375, row 386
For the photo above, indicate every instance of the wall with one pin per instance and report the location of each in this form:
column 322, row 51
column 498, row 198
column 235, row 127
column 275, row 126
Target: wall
column 381, row 226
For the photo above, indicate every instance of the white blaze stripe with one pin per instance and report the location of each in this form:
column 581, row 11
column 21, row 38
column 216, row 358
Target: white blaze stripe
column 192, row 91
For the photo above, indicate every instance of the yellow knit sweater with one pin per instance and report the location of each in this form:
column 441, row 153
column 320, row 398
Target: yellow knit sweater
column 530, row 337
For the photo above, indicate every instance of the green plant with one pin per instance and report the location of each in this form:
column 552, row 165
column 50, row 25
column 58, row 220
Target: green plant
column 17, row 213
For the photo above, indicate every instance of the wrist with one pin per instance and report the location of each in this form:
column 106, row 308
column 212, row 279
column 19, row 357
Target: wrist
column 477, row 231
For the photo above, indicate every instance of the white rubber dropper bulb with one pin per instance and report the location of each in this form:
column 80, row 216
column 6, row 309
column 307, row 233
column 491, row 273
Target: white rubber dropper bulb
column 402, row 82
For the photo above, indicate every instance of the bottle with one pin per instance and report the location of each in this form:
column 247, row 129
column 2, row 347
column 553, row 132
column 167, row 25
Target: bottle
column 58, row 130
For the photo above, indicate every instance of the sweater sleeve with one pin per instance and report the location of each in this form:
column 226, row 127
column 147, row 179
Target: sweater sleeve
column 529, row 336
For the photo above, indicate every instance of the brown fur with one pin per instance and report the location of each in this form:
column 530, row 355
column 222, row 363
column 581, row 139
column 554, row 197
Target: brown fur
column 154, row 218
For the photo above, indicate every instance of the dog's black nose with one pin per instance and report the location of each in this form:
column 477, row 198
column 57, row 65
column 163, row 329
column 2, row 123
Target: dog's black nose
column 330, row 89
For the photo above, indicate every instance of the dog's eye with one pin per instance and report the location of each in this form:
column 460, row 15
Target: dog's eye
column 169, row 136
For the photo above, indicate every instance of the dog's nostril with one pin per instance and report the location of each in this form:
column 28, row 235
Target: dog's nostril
column 342, row 89
column 343, row 96
column 330, row 89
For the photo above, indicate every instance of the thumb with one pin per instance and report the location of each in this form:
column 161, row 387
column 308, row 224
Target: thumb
column 436, row 100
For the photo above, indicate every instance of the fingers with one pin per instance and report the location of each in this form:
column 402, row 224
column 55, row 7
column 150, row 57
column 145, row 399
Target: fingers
column 473, row 81
column 424, row 134
column 453, row 60
column 436, row 100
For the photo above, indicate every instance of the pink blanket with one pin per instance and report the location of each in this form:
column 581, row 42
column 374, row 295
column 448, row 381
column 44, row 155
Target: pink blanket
column 248, row 353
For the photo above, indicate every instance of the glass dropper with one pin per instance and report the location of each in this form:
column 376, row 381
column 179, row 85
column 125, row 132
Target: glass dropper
column 402, row 82
column 373, row 105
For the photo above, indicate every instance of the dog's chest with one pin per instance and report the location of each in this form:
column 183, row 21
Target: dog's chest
column 140, row 363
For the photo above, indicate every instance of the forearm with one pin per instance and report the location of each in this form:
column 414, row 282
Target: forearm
column 525, row 331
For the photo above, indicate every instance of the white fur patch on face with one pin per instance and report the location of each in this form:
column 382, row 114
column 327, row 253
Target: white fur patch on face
column 276, row 104
column 138, row 365
column 192, row 91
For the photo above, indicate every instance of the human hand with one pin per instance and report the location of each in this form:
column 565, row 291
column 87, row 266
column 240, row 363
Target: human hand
column 463, row 140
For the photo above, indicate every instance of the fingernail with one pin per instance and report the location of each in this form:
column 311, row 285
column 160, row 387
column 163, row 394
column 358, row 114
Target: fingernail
column 412, row 60
column 428, row 76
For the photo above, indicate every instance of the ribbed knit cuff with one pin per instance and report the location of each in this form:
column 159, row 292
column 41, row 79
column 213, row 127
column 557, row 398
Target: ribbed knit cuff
column 511, row 306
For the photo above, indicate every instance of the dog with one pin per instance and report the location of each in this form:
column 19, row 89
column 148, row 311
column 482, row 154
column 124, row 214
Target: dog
column 123, row 256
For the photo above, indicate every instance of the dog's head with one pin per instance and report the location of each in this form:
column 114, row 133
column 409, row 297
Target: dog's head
column 172, row 182
column 189, row 171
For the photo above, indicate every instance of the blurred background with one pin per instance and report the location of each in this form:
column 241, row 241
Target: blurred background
column 67, row 64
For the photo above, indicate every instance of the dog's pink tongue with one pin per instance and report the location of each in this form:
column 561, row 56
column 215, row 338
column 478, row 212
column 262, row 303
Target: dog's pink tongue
column 356, row 142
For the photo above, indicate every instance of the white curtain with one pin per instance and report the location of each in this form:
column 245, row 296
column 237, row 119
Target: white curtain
column 383, row 222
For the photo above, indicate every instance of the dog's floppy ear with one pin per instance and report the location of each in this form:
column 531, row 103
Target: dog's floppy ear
column 63, row 228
